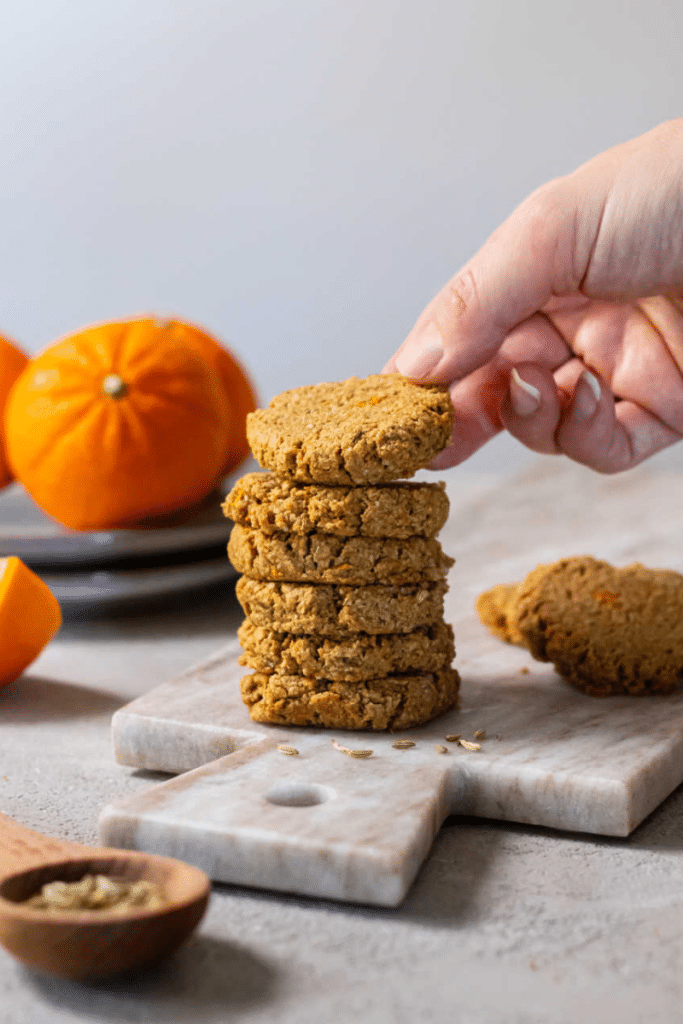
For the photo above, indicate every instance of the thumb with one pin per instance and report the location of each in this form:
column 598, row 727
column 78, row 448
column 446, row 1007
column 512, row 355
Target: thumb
column 541, row 250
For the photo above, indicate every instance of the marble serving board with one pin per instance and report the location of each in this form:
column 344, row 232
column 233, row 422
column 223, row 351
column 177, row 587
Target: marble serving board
column 323, row 823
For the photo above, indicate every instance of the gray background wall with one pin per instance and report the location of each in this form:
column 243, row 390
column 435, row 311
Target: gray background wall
column 300, row 176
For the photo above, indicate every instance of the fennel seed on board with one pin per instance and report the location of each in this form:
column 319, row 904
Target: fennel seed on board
column 352, row 753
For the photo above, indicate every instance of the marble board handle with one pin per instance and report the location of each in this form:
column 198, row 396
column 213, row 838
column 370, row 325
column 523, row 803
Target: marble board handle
column 318, row 823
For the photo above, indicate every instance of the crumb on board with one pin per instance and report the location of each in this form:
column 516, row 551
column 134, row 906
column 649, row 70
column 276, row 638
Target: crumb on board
column 472, row 747
column 352, row 753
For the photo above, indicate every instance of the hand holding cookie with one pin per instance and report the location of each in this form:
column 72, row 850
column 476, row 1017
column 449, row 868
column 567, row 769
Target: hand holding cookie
column 566, row 328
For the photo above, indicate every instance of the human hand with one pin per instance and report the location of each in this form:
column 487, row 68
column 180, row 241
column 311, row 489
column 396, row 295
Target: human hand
column 566, row 327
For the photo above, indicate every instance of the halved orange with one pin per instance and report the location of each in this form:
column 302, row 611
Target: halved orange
column 29, row 617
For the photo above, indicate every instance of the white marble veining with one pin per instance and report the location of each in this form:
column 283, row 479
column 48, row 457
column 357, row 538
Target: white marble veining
column 326, row 824
column 329, row 825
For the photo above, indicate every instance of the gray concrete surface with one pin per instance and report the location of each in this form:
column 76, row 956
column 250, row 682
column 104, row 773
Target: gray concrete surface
column 505, row 923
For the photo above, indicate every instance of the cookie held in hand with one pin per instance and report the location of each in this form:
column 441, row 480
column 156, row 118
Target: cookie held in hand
column 357, row 431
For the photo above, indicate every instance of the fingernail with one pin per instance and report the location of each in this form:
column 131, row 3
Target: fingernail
column 524, row 397
column 420, row 354
column 586, row 395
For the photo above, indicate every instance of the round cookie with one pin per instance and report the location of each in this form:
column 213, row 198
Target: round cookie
column 395, row 702
column 274, row 504
column 358, row 431
column 356, row 658
column 340, row 612
column 324, row 558
column 606, row 630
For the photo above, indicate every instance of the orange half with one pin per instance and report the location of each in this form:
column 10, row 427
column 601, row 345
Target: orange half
column 29, row 617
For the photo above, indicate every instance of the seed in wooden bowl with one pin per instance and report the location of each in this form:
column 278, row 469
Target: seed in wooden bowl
column 97, row 892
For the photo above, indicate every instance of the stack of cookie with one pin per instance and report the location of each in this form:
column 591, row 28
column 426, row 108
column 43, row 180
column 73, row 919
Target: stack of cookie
column 343, row 578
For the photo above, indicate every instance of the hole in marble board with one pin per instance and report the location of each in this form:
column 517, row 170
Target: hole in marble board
column 299, row 794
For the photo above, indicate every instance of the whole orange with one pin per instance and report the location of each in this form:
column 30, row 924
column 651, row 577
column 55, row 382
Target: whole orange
column 116, row 423
column 238, row 386
column 12, row 362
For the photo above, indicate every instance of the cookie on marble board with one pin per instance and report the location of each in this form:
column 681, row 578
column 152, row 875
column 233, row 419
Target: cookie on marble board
column 606, row 630
column 358, row 431
column 388, row 704
column 272, row 504
column 358, row 657
column 340, row 611
column 326, row 558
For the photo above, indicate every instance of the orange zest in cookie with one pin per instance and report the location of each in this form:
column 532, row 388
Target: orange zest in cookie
column 607, row 597
column 375, row 400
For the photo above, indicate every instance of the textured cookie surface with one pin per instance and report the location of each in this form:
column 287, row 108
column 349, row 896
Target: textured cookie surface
column 358, row 657
column 358, row 431
column 340, row 611
column 324, row 558
column 606, row 630
column 395, row 702
column 497, row 609
column 273, row 504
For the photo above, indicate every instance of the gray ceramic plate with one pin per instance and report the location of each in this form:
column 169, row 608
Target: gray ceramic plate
column 27, row 532
column 102, row 588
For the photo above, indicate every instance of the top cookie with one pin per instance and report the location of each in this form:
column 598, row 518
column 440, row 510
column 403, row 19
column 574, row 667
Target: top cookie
column 368, row 431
